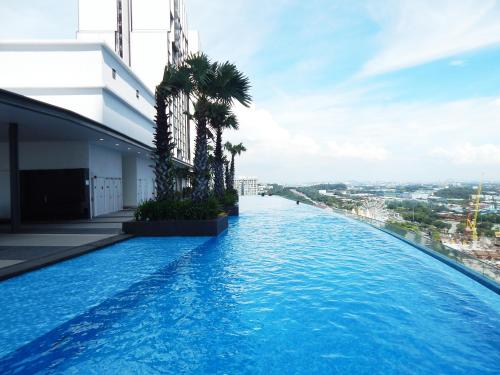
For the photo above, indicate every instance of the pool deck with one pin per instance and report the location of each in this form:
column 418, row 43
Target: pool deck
column 41, row 244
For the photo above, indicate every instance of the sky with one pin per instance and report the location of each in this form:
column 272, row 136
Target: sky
column 344, row 90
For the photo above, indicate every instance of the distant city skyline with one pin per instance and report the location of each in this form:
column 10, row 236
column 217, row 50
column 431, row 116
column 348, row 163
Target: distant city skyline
column 361, row 90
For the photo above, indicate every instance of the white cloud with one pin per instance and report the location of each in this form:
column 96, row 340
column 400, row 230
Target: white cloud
column 417, row 32
column 457, row 63
column 266, row 138
column 339, row 136
column 483, row 155
column 364, row 151
column 350, row 131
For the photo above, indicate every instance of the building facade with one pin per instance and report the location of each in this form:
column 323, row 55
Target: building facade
column 79, row 114
column 146, row 35
column 247, row 186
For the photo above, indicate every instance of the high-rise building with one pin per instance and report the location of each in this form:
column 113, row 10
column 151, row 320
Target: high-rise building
column 81, row 112
column 247, row 186
column 147, row 35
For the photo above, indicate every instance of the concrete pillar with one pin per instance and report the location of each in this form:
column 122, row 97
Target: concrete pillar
column 15, row 193
column 129, row 181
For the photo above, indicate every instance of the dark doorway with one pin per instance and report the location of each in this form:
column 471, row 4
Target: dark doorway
column 56, row 194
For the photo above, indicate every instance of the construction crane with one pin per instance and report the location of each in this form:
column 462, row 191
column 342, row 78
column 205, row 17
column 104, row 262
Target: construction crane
column 472, row 224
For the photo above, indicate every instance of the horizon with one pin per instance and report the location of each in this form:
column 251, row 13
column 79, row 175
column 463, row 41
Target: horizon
column 382, row 182
column 403, row 91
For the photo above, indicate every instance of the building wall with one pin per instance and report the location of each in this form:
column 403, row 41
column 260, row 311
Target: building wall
column 40, row 71
column 149, row 42
column 106, row 180
column 149, row 65
column 158, row 36
column 138, row 180
column 53, row 155
column 88, row 102
column 97, row 25
column 126, row 86
column 154, row 32
column 39, row 156
column 127, row 180
column 50, row 65
column 130, row 122
column 129, row 175
column 105, row 169
column 145, row 180
column 105, row 162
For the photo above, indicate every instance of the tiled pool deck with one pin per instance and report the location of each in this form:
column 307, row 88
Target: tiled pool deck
column 40, row 244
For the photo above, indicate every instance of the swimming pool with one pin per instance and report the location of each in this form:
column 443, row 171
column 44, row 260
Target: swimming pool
column 288, row 289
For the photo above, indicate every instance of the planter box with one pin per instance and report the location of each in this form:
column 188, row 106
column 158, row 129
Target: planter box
column 233, row 210
column 168, row 228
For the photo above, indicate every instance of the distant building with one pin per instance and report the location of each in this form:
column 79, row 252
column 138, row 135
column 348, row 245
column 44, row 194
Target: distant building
column 332, row 193
column 420, row 195
column 263, row 188
column 247, row 186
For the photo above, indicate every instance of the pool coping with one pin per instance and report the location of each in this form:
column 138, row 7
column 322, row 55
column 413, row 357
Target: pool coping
column 73, row 252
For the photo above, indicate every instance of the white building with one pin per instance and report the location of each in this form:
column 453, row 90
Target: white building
column 263, row 188
column 147, row 35
column 77, row 116
column 246, row 186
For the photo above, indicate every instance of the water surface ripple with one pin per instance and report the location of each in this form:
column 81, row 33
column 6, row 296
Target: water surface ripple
column 288, row 289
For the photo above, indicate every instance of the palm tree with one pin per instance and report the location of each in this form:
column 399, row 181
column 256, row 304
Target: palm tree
column 162, row 157
column 209, row 82
column 233, row 150
column 220, row 118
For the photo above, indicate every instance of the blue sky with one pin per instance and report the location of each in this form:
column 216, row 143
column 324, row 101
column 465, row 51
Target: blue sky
column 345, row 90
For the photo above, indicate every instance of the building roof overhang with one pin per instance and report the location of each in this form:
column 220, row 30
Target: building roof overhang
column 42, row 122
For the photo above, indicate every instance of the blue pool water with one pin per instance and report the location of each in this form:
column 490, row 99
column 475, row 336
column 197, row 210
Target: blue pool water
column 288, row 289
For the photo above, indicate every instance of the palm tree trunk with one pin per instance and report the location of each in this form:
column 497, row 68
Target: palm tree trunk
column 227, row 175
column 164, row 169
column 218, row 165
column 232, row 171
column 201, row 172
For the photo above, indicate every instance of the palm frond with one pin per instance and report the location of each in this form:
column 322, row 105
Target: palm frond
column 200, row 70
column 231, row 122
column 239, row 148
column 228, row 146
column 221, row 116
column 230, row 84
column 174, row 81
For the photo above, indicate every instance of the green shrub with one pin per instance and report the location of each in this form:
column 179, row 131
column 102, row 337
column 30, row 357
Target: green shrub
column 403, row 225
column 436, row 236
column 178, row 210
column 230, row 198
column 186, row 192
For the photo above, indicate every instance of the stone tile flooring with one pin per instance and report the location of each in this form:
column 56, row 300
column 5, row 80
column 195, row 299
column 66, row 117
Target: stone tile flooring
column 46, row 240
